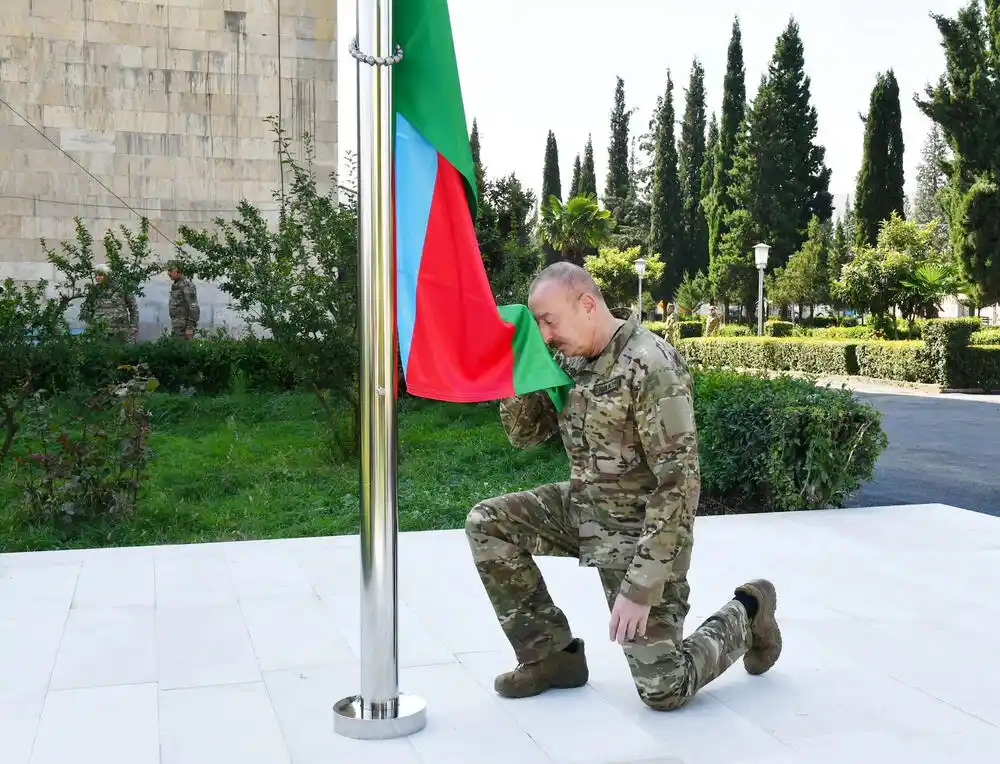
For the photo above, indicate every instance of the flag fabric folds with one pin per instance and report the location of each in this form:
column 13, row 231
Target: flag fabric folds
column 455, row 343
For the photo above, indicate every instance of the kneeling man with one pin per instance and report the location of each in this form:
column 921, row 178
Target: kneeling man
column 627, row 509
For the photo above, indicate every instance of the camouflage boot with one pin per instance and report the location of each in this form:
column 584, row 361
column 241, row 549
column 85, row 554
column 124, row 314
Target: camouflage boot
column 560, row 671
column 765, row 641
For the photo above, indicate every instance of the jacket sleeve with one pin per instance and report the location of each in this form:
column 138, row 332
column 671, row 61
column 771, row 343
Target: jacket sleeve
column 529, row 420
column 664, row 412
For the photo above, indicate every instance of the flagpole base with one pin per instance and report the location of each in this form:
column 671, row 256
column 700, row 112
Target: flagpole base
column 354, row 718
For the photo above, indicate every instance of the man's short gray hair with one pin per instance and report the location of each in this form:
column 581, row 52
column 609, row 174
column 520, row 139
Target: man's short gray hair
column 571, row 276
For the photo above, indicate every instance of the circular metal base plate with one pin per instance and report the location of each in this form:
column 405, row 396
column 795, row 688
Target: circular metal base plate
column 348, row 720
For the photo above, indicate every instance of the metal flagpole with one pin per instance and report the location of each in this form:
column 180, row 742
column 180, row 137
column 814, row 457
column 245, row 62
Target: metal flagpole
column 380, row 711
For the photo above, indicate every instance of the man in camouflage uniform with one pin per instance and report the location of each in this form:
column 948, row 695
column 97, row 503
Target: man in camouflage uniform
column 713, row 322
column 183, row 308
column 627, row 509
column 108, row 305
column 672, row 331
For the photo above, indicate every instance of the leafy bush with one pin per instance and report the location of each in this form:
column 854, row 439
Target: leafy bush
column 981, row 366
column 689, row 328
column 985, row 337
column 772, row 353
column 907, row 361
column 777, row 328
column 842, row 333
column 948, row 343
column 781, row 444
column 93, row 466
column 735, row 330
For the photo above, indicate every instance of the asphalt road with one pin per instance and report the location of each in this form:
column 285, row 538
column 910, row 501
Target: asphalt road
column 941, row 450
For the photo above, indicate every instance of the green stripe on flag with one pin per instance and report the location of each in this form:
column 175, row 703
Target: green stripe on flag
column 425, row 85
column 534, row 367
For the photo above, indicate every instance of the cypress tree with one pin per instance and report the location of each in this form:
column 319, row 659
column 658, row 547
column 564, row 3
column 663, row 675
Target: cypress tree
column 477, row 162
column 577, row 181
column 708, row 167
column 551, row 186
column 734, row 101
column 551, row 183
column 693, row 251
column 780, row 180
column 617, row 186
column 665, row 202
column 588, row 177
column 880, row 182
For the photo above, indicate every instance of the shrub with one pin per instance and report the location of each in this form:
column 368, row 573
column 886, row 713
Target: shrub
column 689, row 327
column 985, row 337
column 981, row 365
column 735, row 330
column 948, row 343
column 777, row 328
column 781, row 444
column 772, row 353
column 843, row 333
column 907, row 361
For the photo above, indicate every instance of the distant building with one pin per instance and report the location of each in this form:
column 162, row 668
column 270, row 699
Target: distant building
column 114, row 109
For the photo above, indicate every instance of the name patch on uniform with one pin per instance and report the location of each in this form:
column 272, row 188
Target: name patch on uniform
column 603, row 388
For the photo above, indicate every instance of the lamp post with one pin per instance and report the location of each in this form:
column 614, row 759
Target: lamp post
column 640, row 268
column 760, row 259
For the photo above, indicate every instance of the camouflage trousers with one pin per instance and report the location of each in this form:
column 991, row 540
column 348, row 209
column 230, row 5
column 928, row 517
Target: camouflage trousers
column 667, row 669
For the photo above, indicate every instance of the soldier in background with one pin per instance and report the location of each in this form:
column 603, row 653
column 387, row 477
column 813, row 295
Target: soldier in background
column 183, row 309
column 712, row 322
column 672, row 331
column 628, row 509
column 105, row 303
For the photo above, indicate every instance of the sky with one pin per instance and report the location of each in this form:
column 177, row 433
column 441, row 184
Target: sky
column 530, row 66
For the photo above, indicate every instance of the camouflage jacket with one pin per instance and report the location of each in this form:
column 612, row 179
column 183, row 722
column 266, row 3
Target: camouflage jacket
column 628, row 429
column 672, row 329
column 106, row 304
column 183, row 307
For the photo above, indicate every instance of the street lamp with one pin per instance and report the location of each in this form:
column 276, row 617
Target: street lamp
column 760, row 260
column 640, row 268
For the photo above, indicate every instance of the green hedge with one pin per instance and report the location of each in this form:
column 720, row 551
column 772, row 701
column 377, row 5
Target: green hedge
column 689, row 327
column 905, row 361
column 773, row 353
column 985, row 337
column 780, row 444
column 777, row 328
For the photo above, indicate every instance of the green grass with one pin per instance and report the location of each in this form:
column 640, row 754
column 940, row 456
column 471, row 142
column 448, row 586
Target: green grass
column 258, row 466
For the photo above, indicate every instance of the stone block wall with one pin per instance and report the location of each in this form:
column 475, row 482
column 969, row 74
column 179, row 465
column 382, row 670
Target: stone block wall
column 115, row 109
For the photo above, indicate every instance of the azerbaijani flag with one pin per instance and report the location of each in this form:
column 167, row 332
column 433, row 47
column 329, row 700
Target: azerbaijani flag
column 455, row 343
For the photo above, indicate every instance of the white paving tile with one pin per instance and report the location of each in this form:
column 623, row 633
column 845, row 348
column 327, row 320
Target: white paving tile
column 111, row 725
column 203, row 645
column 237, row 651
column 208, row 725
column 18, row 723
column 106, row 646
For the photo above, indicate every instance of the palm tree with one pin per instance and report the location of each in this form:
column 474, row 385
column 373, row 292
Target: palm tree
column 575, row 226
column 926, row 287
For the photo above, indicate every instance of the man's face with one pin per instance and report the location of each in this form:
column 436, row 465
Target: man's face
column 174, row 275
column 564, row 317
column 99, row 278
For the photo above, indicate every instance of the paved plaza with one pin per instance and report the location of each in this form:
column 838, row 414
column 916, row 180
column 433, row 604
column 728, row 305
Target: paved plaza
column 235, row 652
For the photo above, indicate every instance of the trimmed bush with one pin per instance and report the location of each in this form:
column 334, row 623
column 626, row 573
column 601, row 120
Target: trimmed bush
column 985, row 337
column 948, row 342
column 772, row 353
column 735, row 330
column 843, row 333
column 689, row 327
column 907, row 361
column 781, row 444
column 981, row 366
column 777, row 328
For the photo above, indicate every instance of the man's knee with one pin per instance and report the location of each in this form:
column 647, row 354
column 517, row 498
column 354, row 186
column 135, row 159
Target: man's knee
column 662, row 701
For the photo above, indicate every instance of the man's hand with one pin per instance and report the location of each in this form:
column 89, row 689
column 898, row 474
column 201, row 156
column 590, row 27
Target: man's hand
column 628, row 619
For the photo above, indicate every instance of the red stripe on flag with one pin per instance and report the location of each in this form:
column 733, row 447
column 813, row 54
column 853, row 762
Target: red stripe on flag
column 461, row 349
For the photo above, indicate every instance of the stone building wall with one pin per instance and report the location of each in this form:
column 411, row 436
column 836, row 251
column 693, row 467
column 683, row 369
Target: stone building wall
column 115, row 109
